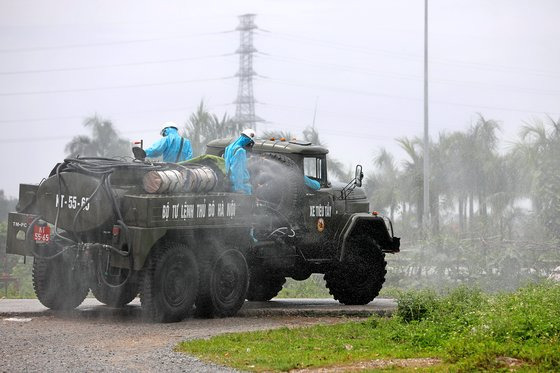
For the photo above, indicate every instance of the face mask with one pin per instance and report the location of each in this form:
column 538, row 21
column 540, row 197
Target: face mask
column 249, row 146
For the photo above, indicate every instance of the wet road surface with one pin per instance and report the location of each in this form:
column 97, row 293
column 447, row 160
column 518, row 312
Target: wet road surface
column 98, row 338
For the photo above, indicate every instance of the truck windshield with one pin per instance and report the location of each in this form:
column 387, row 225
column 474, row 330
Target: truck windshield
column 313, row 168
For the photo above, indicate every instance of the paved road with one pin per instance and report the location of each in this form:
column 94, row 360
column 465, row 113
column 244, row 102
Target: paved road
column 98, row 338
column 276, row 307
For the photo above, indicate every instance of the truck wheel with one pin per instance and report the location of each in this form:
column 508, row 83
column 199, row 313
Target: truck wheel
column 359, row 278
column 116, row 296
column 57, row 285
column 170, row 283
column 263, row 286
column 277, row 180
column 224, row 278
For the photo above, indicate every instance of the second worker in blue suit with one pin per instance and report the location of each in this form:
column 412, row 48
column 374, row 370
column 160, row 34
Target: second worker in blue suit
column 235, row 156
column 172, row 146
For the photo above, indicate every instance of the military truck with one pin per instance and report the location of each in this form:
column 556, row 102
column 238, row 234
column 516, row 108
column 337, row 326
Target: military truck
column 176, row 235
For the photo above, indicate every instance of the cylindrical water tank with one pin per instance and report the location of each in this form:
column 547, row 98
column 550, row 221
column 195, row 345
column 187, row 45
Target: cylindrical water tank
column 193, row 179
column 168, row 181
column 200, row 179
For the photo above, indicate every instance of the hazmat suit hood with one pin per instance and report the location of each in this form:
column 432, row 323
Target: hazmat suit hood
column 170, row 131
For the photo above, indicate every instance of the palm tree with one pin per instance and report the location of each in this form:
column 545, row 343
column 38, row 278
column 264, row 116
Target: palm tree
column 383, row 186
column 103, row 142
column 468, row 164
column 203, row 126
column 413, row 173
column 505, row 182
column 484, row 143
column 540, row 145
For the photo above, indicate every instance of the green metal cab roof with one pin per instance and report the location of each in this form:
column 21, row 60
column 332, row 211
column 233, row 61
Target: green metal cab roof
column 216, row 147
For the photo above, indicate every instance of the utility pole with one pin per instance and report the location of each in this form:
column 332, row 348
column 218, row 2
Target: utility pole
column 245, row 110
column 426, row 215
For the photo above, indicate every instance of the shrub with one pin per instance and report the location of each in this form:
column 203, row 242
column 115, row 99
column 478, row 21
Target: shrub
column 415, row 305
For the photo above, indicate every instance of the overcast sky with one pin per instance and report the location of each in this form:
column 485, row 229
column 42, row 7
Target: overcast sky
column 141, row 63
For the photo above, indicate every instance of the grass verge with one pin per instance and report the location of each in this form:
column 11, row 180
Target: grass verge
column 467, row 329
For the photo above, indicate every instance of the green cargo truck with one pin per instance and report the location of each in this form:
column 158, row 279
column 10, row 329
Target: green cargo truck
column 176, row 236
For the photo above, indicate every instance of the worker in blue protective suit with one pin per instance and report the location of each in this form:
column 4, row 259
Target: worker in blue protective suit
column 172, row 146
column 235, row 156
column 313, row 184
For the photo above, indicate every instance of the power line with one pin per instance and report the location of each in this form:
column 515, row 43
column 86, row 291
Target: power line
column 33, row 139
column 120, row 113
column 366, row 93
column 101, row 44
column 339, row 46
column 340, row 67
column 151, row 21
column 114, row 65
column 58, row 138
column 411, row 123
column 111, row 87
column 393, row 75
column 408, row 56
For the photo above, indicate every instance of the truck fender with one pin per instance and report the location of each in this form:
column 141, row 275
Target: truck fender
column 364, row 223
column 143, row 240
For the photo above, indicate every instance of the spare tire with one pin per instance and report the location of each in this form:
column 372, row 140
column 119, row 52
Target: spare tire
column 277, row 180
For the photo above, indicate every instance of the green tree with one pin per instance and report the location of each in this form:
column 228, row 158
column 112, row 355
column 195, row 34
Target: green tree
column 203, row 126
column 467, row 168
column 413, row 174
column 484, row 141
column 540, row 147
column 6, row 205
column 103, row 142
column 383, row 185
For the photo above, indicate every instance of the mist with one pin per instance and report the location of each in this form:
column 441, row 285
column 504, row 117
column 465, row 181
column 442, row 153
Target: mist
column 348, row 76
column 494, row 214
column 358, row 64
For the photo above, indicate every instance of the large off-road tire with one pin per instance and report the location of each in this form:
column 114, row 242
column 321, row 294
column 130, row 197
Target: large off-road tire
column 57, row 285
column 277, row 180
column 170, row 283
column 360, row 277
column 115, row 297
column 118, row 296
column 263, row 286
column 224, row 278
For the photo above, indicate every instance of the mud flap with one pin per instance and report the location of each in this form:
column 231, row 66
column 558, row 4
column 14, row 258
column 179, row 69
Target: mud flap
column 16, row 233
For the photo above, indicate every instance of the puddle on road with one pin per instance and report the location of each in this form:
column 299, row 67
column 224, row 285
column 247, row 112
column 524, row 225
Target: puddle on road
column 18, row 319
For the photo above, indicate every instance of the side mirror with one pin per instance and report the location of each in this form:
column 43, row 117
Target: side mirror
column 139, row 153
column 358, row 176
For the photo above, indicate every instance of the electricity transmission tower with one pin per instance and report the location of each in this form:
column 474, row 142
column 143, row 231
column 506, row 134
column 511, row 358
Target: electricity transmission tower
column 245, row 110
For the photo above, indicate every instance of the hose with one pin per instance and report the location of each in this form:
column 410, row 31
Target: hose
column 101, row 275
column 104, row 168
column 268, row 205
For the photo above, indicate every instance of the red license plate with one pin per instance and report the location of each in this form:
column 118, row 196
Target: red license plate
column 41, row 234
